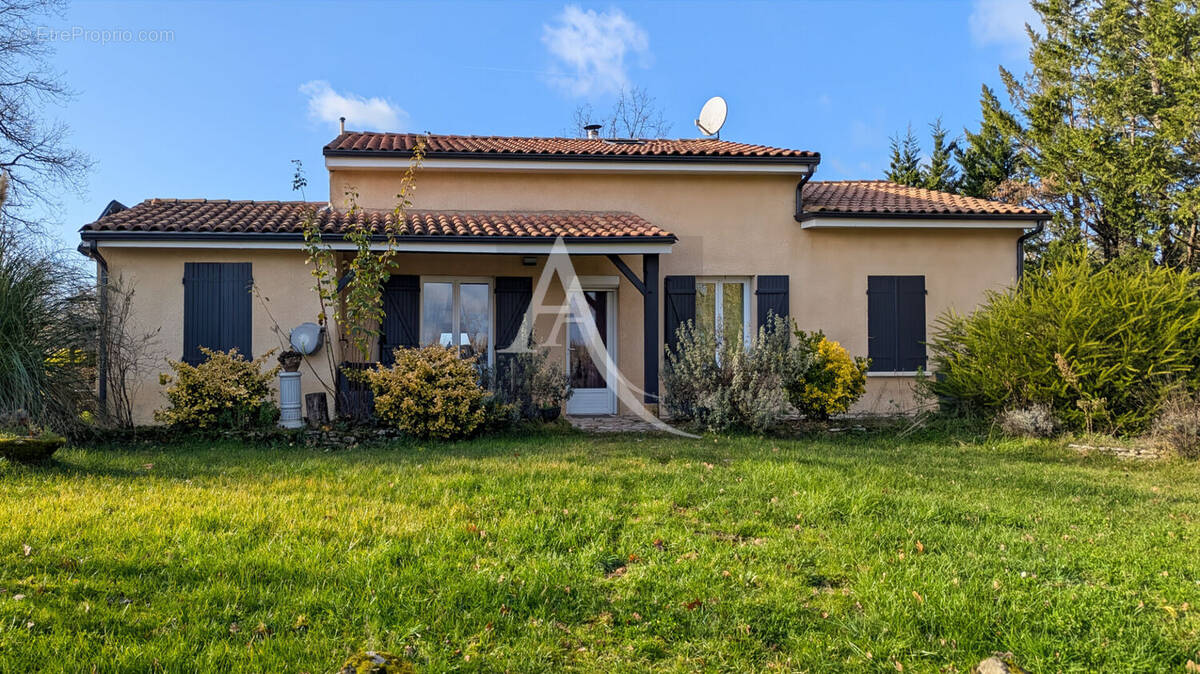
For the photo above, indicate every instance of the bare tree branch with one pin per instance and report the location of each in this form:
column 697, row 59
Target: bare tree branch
column 634, row 115
column 33, row 151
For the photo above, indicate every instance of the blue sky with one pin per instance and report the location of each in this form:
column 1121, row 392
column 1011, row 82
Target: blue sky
column 218, row 102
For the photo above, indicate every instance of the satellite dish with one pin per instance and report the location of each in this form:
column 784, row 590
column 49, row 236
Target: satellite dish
column 712, row 116
column 307, row 337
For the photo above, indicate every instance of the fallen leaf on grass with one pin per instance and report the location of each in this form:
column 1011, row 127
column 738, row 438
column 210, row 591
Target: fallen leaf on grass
column 920, row 548
column 18, row 597
column 693, row 604
column 26, row 549
column 918, row 597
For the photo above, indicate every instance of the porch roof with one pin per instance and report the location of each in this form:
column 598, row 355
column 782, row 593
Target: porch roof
column 201, row 219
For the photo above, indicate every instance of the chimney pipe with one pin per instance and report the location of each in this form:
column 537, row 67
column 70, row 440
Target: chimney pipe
column 593, row 130
column 341, row 125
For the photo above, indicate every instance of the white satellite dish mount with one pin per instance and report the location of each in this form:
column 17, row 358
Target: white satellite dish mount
column 712, row 116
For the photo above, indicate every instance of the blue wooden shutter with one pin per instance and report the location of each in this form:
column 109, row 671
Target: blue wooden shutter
column 882, row 338
column 772, row 297
column 237, row 331
column 401, row 315
column 217, row 308
column 201, row 309
column 679, row 300
column 910, row 328
column 513, row 295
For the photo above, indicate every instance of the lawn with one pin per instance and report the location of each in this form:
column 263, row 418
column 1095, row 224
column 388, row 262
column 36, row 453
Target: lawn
column 568, row 552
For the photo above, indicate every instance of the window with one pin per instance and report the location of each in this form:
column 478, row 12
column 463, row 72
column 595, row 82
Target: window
column 896, row 323
column 216, row 308
column 459, row 307
column 723, row 306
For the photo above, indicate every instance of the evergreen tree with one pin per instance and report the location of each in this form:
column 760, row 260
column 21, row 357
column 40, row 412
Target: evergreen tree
column 940, row 173
column 990, row 156
column 905, row 166
column 1111, row 125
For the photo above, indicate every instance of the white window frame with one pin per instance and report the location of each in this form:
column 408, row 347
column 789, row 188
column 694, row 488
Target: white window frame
column 719, row 312
column 456, row 307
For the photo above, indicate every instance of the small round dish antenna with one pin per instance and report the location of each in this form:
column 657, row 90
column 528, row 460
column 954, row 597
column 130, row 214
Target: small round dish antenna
column 712, row 116
column 306, row 338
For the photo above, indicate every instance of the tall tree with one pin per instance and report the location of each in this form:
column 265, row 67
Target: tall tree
column 635, row 114
column 905, row 166
column 988, row 157
column 1110, row 117
column 33, row 152
column 940, row 173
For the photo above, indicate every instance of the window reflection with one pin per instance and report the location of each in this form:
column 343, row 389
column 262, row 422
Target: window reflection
column 457, row 314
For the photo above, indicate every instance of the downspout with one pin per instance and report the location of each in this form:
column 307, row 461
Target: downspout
column 92, row 250
column 1041, row 227
column 800, row 192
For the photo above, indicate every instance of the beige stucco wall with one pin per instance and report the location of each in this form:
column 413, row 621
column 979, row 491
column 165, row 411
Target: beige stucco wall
column 737, row 225
column 728, row 225
column 282, row 294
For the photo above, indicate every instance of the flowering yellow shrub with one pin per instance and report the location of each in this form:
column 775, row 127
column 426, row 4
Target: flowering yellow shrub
column 225, row 391
column 833, row 382
column 429, row 393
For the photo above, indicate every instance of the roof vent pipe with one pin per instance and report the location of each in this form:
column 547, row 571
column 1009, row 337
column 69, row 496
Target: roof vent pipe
column 341, row 125
column 593, row 130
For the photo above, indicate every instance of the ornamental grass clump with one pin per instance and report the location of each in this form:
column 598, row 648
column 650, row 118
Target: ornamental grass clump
column 1101, row 347
column 832, row 383
column 429, row 393
column 225, row 392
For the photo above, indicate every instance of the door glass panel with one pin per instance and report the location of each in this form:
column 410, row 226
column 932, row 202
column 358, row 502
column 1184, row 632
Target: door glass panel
column 585, row 371
column 733, row 305
column 706, row 306
column 473, row 320
column 437, row 314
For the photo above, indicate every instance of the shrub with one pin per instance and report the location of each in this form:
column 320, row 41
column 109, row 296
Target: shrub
column 1178, row 424
column 1035, row 421
column 832, row 383
column 724, row 386
column 530, row 381
column 429, row 393
column 226, row 391
column 1100, row 347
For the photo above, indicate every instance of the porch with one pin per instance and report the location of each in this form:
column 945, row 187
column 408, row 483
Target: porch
column 593, row 301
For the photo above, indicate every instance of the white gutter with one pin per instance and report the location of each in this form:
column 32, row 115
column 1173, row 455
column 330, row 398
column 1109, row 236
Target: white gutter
column 817, row 222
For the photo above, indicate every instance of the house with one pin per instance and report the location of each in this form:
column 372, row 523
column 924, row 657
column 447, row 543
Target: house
column 658, row 231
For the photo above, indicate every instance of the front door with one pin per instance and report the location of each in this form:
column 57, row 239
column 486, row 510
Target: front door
column 593, row 391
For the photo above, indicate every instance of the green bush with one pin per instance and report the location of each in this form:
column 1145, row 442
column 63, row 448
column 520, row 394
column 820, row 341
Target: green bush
column 429, row 393
column 1100, row 347
column 831, row 384
column 226, row 391
column 726, row 386
column 531, row 381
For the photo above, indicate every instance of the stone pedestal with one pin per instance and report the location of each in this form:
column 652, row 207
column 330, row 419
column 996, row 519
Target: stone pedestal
column 289, row 400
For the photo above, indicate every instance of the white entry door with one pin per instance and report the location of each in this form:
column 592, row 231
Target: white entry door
column 594, row 391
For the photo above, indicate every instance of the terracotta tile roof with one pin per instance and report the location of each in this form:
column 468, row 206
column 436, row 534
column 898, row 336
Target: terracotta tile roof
column 359, row 142
column 880, row 197
column 287, row 217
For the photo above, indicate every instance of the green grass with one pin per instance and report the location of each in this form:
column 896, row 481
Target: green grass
column 566, row 552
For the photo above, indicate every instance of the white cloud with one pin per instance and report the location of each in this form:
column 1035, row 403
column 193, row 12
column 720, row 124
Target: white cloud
column 375, row 114
column 1002, row 22
column 591, row 47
